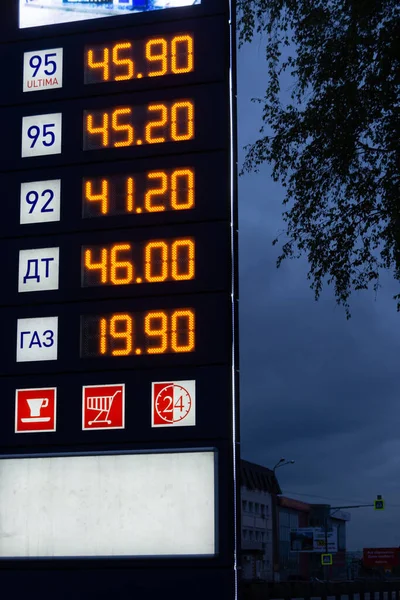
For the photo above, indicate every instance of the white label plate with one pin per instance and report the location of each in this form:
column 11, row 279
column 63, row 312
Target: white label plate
column 38, row 269
column 41, row 135
column 43, row 70
column 37, row 339
column 40, row 201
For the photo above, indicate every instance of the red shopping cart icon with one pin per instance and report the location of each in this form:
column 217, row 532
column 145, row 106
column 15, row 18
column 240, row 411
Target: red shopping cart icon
column 103, row 406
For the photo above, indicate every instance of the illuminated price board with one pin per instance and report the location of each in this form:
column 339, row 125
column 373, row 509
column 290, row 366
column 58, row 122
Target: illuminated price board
column 126, row 334
column 153, row 262
column 124, row 126
column 131, row 58
column 152, row 57
column 149, row 192
column 118, row 310
column 184, row 258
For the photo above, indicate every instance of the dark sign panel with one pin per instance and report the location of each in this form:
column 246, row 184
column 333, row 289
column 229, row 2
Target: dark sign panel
column 118, row 370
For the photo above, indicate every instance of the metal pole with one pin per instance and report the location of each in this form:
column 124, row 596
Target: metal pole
column 326, row 547
column 275, row 539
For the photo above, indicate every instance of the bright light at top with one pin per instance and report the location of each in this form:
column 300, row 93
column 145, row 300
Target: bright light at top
column 37, row 13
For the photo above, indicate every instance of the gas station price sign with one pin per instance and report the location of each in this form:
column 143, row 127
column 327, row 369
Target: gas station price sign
column 119, row 311
column 149, row 192
column 123, row 126
column 126, row 334
column 134, row 59
column 154, row 261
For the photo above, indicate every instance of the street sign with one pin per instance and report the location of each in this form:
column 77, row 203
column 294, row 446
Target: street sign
column 326, row 559
column 381, row 557
column 118, row 305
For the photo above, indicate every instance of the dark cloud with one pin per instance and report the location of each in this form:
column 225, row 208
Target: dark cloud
column 314, row 387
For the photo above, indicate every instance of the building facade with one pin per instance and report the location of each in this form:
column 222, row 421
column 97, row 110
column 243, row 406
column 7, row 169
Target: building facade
column 292, row 514
column 267, row 519
column 259, row 488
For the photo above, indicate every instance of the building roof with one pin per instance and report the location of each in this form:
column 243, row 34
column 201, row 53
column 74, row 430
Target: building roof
column 294, row 504
column 256, row 477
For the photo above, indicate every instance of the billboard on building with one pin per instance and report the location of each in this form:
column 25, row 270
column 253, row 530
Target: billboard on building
column 381, row 557
column 36, row 13
column 312, row 539
column 302, row 539
column 320, row 541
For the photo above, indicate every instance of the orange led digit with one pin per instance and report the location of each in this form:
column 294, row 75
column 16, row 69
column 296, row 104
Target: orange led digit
column 124, row 334
column 156, row 254
column 122, row 127
column 102, row 197
column 160, row 191
column 103, row 129
column 182, row 260
column 104, row 64
column 130, row 198
column 116, row 266
column 123, row 61
column 160, row 57
column 182, row 112
column 182, row 46
column 186, row 177
column 99, row 266
column 103, row 334
column 182, row 325
column 155, row 124
column 160, row 331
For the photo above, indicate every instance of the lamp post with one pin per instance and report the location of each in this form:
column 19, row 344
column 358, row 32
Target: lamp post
column 282, row 462
column 379, row 504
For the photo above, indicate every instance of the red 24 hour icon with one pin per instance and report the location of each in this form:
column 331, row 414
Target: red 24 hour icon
column 173, row 404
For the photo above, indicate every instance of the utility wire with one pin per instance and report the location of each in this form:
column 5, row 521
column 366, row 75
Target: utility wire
column 341, row 499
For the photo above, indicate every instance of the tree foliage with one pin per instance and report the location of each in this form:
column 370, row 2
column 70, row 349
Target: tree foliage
column 333, row 138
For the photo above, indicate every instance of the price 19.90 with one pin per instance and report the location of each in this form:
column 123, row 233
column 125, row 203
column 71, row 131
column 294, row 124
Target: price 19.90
column 126, row 334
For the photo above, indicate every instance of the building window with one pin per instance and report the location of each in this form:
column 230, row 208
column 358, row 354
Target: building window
column 245, row 534
column 244, row 505
column 257, row 508
column 293, row 521
column 284, row 518
column 250, row 506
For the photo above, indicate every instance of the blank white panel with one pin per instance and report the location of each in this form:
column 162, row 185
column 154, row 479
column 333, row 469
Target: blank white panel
column 112, row 505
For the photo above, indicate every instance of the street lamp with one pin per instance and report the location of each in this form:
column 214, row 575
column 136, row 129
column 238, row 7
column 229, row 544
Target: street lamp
column 275, row 541
column 282, row 462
